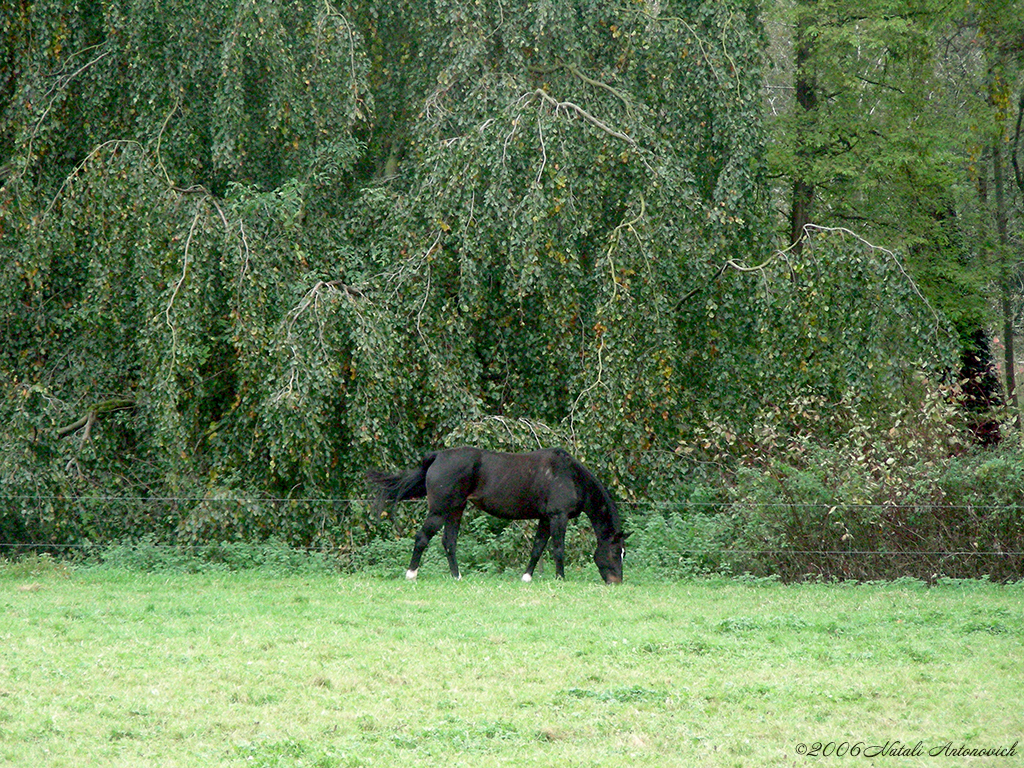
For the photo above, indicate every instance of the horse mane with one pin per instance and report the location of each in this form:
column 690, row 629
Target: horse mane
column 596, row 488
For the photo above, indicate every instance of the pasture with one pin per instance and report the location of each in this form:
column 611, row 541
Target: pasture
column 108, row 667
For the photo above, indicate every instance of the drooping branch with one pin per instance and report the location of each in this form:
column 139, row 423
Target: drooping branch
column 85, row 161
column 575, row 71
column 784, row 254
column 736, row 267
column 313, row 298
column 616, row 237
column 568, row 106
column 60, row 87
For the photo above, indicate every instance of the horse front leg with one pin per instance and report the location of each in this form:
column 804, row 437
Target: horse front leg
column 540, row 540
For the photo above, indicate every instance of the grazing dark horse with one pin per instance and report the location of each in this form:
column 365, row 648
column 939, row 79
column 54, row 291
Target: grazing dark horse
column 548, row 486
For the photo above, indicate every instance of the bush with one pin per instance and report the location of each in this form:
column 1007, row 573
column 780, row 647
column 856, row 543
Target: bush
column 846, row 515
column 818, row 490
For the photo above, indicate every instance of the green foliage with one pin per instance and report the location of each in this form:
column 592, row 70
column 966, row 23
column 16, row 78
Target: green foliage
column 248, row 250
column 679, row 542
column 859, row 140
column 871, row 503
column 902, row 102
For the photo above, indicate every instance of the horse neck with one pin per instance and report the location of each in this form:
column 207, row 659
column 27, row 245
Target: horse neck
column 600, row 508
column 603, row 514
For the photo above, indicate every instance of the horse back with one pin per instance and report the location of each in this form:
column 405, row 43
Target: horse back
column 514, row 486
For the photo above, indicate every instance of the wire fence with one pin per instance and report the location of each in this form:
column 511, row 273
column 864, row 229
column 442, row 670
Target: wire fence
column 342, row 525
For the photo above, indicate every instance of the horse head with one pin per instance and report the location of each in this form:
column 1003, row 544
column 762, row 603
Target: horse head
column 608, row 557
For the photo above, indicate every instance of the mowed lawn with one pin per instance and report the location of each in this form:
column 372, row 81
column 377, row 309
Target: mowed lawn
column 114, row 668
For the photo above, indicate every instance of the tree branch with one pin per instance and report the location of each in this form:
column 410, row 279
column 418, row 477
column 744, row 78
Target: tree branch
column 693, row 292
column 568, row 106
column 735, row 265
column 98, row 409
column 598, row 84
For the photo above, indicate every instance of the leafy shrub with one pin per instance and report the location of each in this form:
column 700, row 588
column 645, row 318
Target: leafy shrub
column 389, row 557
column 859, row 511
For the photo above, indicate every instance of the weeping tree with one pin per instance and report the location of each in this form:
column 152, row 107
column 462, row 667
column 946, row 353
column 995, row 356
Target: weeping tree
column 573, row 173
column 579, row 217
column 157, row 167
column 251, row 248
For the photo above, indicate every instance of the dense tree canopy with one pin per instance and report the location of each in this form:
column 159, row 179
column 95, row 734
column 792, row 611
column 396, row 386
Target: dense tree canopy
column 250, row 248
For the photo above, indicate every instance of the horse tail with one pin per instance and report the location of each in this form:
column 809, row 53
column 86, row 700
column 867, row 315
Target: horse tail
column 408, row 484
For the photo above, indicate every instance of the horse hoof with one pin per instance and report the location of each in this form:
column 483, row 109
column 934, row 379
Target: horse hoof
column 411, row 575
column 527, row 578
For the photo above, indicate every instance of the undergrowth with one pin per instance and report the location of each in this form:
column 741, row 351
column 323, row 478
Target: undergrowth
column 150, row 555
column 813, row 491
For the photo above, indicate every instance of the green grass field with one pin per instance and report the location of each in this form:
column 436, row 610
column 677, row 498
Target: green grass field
column 106, row 667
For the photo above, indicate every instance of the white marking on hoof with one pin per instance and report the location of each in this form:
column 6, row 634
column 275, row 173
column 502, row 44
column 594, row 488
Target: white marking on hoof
column 411, row 575
column 527, row 578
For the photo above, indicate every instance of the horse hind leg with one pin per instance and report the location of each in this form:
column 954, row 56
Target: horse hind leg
column 559, row 524
column 450, row 539
column 540, row 540
column 431, row 525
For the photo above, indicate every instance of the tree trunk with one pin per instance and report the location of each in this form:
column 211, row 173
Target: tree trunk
column 800, row 214
column 807, row 102
column 982, row 391
column 1006, row 280
column 1018, row 174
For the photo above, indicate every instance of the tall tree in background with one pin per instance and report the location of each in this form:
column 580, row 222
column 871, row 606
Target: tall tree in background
column 805, row 147
column 854, row 143
column 875, row 140
column 1001, row 36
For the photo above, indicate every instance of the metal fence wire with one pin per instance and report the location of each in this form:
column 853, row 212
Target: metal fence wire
column 922, row 540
